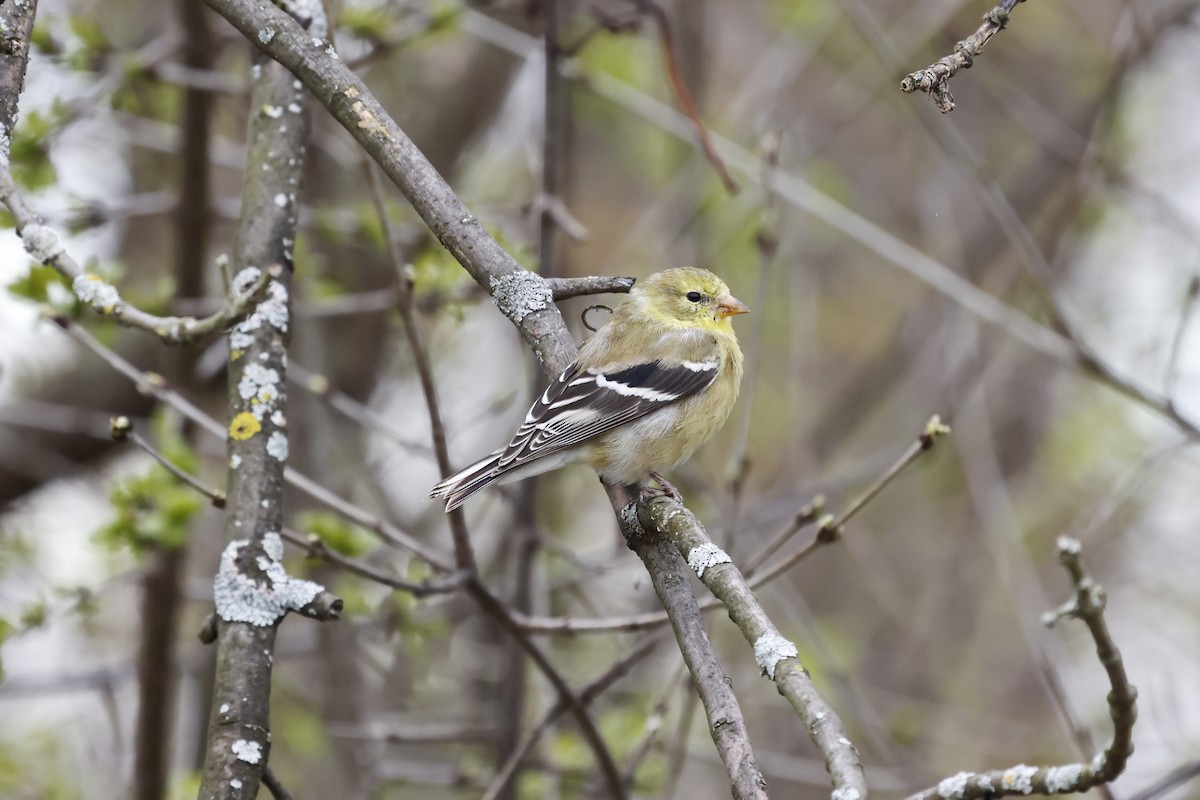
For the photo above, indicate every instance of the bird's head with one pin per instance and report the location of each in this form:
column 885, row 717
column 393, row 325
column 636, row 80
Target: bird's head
column 688, row 297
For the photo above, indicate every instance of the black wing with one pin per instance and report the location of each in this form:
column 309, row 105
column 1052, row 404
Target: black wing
column 581, row 404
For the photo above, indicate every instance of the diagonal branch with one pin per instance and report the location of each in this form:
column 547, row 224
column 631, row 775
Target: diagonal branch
column 775, row 655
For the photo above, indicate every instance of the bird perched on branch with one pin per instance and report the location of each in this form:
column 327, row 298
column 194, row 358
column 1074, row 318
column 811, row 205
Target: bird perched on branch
column 650, row 387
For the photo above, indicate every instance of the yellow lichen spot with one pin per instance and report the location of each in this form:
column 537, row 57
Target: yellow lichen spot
column 234, row 355
column 243, row 426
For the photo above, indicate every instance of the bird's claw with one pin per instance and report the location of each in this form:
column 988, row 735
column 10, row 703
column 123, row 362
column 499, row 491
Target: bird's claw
column 664, row 489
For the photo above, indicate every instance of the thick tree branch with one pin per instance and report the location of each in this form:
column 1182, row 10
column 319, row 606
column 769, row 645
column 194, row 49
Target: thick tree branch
column 934, row 79
column 16, row 25
column 252, row 591
column 668, row 572
column 1086, row 606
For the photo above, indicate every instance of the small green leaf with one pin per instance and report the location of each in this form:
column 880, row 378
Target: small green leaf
column 35, row 284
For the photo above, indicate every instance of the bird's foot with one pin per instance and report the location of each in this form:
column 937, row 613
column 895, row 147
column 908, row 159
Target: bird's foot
column 667, row 489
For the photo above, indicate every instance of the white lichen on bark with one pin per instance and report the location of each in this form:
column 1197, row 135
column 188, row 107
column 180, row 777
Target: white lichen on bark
column 261, row 599
column 701, row 557
column 521, row 293
column 770, row 649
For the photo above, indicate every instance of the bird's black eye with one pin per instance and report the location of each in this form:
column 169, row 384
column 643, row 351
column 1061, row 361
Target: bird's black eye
column 695, row 297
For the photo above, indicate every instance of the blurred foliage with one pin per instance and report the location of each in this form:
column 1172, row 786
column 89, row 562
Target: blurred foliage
column 336, row 533
column 47, row 749
column 155, row 509
column 30, row 153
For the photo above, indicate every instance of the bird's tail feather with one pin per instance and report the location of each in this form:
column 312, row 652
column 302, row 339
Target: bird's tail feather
column 461, row 485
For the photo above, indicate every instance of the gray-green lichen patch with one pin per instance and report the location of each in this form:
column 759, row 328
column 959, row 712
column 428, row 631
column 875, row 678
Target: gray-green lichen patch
column 41, row 242
column 277, row 446
column 1019, row 778
column 264, row 598
column 1063, row 779
column 248, row 751
column 954, row 787
column 520, row 293
column 706, row 555
column 272, row 311
column 770, row 649
column 97, row 293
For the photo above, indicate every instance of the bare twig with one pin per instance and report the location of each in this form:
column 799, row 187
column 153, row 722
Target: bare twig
column 122, row 430
column 352, row 409
column 564, row 288
column 682, row 96
column 653, row 725
column 829, row 528
column 464, row 555
column 271, row 781
column 1088, row 607
column 313, row 547
column 934, row 79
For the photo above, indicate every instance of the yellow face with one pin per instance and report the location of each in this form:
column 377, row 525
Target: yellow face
column 692, row 297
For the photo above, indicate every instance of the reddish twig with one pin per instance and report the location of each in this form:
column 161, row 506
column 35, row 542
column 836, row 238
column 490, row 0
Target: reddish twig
column 683, row 98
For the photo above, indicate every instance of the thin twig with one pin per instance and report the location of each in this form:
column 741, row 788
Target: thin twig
column 43, row 245
column 653, row 725
column 121, row 429
column 682, row 96
column 563, row 288
column 829, row 529
column 586, row 695
column 934, row 78
column 1088, row 607
column 1185, row 317
column 271, row 781
column 313, row 547
column 464, row 555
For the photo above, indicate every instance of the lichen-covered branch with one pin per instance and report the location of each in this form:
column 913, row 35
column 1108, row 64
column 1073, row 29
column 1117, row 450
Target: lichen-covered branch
column 776, row 655
column 43, row 245
column 668, row 572
column 934, row 79
column 1087, row 606
column 252, row 591
column 16, row 25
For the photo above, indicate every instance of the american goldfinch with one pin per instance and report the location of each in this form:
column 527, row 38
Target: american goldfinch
column 650, row 387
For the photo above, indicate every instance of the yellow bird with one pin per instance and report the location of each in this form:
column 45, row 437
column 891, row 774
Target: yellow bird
column 655, row 383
